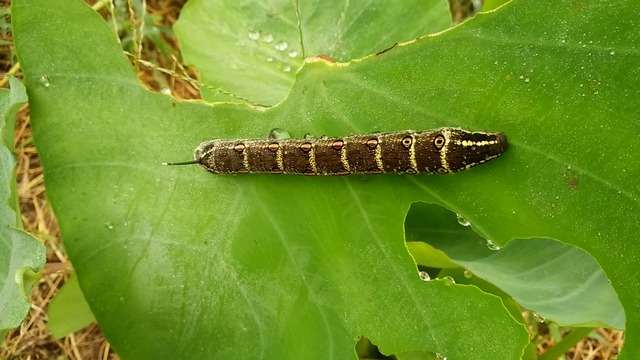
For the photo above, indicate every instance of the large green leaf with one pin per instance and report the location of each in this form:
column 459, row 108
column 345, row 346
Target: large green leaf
column 253, row 49
column 178, row 261
column 20, row 254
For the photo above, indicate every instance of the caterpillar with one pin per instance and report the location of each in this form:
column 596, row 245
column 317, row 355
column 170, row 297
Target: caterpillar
column 439, row 151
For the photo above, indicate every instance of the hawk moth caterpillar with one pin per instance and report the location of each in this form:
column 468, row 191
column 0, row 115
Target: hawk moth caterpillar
column 439, row 151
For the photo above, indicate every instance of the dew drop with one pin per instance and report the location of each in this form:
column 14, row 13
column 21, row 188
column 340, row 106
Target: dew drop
column 281, row 46
column 267, row 38
column 440, row 356
column 492, row 246
column 44, row 81
column 287, row 69
column 468, row 274
column 526, row 80
column 254, row 35
column 462, row 221
column 269, row 59
column 448, row 280
column 279, row 134
column 293, row 54
column 612, row 52
column 537, row 317
column 424, row 276
column 109, row 226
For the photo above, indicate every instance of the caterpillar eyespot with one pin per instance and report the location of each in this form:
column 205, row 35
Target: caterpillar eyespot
column 438, row 151
column 407, row 141
column 439, row 141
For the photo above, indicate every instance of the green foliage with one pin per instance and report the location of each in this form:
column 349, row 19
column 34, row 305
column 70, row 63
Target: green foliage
column 253, row 50
column 146, row 27
column 557, row 281
column 68, row 311
column 174, row 260
column 21, row 255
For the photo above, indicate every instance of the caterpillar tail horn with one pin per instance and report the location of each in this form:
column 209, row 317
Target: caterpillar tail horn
column 181, row 163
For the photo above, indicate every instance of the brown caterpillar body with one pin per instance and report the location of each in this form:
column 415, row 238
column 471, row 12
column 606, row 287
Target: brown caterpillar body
column 439, row 151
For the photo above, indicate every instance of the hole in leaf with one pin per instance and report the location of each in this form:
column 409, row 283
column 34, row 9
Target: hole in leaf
column 561, row 282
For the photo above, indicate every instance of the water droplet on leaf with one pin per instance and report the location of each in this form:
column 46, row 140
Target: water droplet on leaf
column 537, row 317
column 279, row 134
column 424, row 276
column 254, row 35
column 448, row 280
column 462, row 221
column 492, row 246
column 281, row 46
column 44, row 81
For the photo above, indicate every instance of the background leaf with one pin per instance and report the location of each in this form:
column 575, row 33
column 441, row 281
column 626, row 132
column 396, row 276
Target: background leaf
column 207, row 264
column 68, row 311
column 253, row 49
column 20, row 253
column 559, row 282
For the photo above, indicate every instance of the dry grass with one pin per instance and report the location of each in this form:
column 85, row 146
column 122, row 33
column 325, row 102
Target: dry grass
column 32, row 340
column 603, row 344
column 592, row 349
